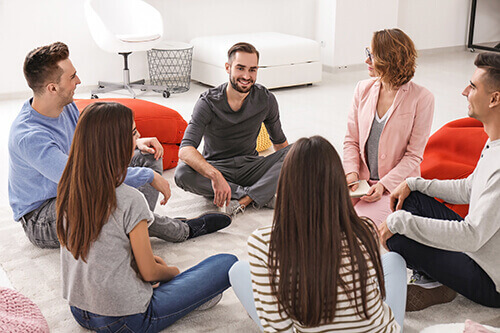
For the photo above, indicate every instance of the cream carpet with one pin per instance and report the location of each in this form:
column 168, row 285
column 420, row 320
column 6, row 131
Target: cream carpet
column 36, row 273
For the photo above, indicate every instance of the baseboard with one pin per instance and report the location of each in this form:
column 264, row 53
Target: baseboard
column 361, row 66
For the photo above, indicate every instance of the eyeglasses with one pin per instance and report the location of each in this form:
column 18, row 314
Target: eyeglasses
column 134, row 131
column 368, row 54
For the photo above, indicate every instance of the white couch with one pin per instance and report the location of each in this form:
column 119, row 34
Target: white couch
column 285, row 60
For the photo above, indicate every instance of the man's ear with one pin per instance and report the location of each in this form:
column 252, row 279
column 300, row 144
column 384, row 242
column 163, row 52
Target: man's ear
column 228, row 67
column 494, row 99
column 51, row 88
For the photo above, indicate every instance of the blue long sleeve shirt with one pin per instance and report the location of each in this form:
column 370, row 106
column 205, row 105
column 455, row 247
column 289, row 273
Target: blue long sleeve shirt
column 38, row 152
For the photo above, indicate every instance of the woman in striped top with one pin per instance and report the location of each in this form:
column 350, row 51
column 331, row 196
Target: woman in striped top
column 318, row 267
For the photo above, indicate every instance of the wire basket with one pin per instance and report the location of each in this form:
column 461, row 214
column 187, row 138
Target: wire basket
column 170, row 66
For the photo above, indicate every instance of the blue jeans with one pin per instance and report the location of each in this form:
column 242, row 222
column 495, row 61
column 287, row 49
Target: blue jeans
column 171, row 301
column 455, row 270
column 394, row 275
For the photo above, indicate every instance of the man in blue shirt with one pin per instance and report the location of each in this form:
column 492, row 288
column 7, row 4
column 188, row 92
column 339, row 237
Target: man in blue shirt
column 39, row 143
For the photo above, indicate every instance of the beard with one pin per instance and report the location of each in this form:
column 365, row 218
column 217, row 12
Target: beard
column 234, row 84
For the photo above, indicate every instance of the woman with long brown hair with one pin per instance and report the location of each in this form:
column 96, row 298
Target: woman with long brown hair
column 389, row 123
column 108, row 266
column 303, row 266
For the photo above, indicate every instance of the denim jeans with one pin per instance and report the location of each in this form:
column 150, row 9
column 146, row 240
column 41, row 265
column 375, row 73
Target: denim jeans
column 171, row 300
column 453, row 269
column 394, row 276
column 40, row 224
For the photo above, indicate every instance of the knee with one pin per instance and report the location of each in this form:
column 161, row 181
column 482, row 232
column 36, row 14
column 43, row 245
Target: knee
column 239, row 268
column 226, row 260
column 147, row 161
column 397, row 243
column 393, row 259
column 181, row 174
column 412, row 201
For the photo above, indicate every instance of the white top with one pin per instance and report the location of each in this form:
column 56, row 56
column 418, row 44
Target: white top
column 478, row 235
column 346, row 319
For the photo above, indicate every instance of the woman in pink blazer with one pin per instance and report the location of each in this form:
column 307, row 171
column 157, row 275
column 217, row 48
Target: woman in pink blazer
column 389, row 124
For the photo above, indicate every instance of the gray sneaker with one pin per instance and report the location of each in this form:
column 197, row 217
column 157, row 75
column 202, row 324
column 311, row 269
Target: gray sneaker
column 210, row 303
column 423, row 281
column 233, row 208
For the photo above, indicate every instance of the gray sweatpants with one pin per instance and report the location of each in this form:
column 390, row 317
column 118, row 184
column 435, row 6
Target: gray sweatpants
column 40, row 224
column 255, row 176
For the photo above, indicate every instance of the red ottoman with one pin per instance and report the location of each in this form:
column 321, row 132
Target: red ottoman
column 151, row 120
column 452, row 153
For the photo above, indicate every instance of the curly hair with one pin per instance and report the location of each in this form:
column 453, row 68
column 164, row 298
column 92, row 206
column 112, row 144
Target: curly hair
column 394, row 56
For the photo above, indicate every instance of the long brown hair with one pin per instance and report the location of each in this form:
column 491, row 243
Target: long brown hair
column 395, row 56
column 315, row 226
column 97, row 164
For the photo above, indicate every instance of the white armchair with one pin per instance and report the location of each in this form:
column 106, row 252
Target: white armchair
column 124, row 26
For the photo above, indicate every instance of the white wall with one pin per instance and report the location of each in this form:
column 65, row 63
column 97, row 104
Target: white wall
column 186, row 19
column 356, row 20
column 344, row 26
column 446, row 22
column 26, row 24
column 430, row 23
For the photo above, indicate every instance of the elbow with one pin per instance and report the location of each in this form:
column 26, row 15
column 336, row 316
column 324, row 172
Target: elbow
column 183, row 152
column 148, row 276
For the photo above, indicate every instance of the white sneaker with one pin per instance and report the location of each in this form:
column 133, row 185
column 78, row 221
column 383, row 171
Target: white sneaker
column 233, row 208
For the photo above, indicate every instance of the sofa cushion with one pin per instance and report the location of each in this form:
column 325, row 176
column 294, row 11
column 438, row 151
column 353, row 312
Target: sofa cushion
column 152, row 120
column 453, row 151
column 276, row 49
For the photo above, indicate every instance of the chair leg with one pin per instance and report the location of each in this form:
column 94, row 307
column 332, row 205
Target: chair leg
column 104, row 87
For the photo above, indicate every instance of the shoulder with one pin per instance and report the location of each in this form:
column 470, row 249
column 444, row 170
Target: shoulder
column 262, row 92
column 72, row 109
column 418, row 91
column 365, row 86
column 214, row 94
column 259, row 240
column 126, row 193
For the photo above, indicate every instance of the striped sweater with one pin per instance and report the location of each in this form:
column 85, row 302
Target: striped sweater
column 346, row 320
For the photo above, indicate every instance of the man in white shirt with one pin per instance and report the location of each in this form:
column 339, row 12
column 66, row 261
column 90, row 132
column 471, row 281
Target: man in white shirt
column 458, row 255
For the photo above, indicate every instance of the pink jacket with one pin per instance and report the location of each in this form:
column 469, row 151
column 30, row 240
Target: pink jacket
column 403, row 138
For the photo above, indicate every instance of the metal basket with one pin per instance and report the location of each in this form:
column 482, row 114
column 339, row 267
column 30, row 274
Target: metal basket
column 170, row 66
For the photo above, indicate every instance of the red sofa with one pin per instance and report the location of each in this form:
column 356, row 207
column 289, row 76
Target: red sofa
column 155, row 120
column 452, row 153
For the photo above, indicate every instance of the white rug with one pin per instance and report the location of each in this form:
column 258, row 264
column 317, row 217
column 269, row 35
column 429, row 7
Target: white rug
column 36, row 273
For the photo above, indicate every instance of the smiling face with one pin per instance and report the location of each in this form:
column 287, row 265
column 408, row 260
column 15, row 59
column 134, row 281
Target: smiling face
column 243, row 71
column 67, row 82
column 477, row 95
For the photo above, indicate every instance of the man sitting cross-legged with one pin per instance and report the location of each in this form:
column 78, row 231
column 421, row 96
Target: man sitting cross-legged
column 229, row 118
column 39, row 143
column 455, row 254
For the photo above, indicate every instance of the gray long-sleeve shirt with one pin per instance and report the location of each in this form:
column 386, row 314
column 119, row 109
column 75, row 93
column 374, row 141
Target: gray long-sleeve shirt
column 479, row 234
column 229, row 133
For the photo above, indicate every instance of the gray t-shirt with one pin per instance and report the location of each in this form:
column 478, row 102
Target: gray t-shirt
column 372, row 146
column 229, row 133
column 107, row 284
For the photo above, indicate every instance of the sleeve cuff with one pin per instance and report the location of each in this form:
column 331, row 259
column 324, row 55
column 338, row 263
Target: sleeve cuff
column 396, row 220
column 412, row 183
column 151, row 176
